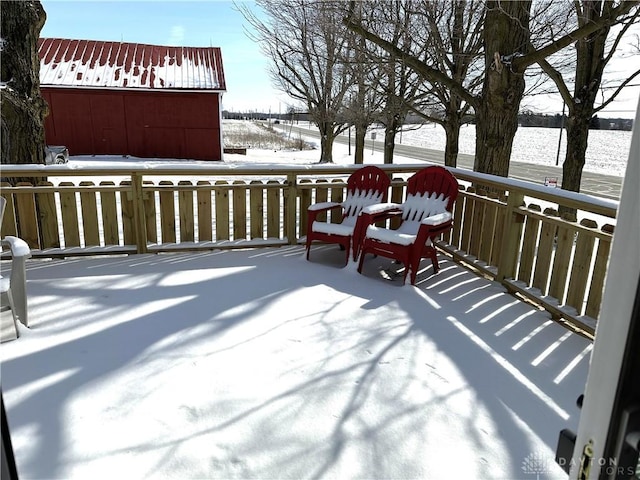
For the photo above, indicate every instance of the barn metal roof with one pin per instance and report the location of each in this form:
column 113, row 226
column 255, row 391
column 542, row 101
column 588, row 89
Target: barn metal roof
column 116, row 65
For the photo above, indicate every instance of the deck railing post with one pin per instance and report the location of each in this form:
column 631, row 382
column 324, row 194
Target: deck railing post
column 291, row 202
column 139, row 219
column 511, row 238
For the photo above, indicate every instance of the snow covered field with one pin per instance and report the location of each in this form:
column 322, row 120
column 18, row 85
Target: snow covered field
column 607, row 152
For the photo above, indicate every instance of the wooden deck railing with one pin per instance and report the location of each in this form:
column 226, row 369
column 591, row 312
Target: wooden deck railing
column 508, row 230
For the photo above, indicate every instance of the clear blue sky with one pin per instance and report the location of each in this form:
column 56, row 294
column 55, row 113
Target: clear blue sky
column 186, row 23
column 217, row 23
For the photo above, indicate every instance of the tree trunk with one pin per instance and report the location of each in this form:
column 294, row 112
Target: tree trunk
column 361, row 133
column 577, row 137
column 23, row 108
column 506, row 35
column 389, row 142
column 577, row 140
column 452, row 133
column 326, row 142
column 589, row 70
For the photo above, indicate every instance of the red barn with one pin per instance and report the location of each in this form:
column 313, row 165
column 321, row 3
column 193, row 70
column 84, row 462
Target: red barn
column 111, row 98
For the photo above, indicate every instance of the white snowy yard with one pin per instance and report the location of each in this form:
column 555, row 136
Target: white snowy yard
column 258, row 364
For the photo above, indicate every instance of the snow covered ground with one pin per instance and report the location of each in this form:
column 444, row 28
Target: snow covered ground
column 258, row 364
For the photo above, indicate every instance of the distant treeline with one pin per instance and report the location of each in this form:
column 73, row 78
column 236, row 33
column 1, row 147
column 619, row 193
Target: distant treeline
column 524, row 119
column 556, row 121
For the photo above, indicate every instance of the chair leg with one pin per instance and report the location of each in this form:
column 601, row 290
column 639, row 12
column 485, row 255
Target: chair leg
column 361, row 261
column 10, row 305
column 308, row 246
column 434, row 260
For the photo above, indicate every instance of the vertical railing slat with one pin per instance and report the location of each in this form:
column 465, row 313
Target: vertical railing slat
column 501, row 215
column 581, row 265
column 511, row 237
column 139, row 225
column 167, row 212
column 529, row 244
column 322, row 195
column 128, row 214
column 109, row 215
column 205, row 219
column 397, row 196
column 545, row 253
column 222, row 211
column 564, row 244
column 256, row 210
column 468, row 219
column 305, row 202
column 27, row 216
column 69, row 208
column 458, row 209
column 290, row 208
column 9, row 224
column 239, row 210
column 594, row 298
column 273, row 211
column 185, row 212
column 151, row 217
column 337, row 196
column 89, row 208
column 49, row 230
column 488, row 229
column 477, row 224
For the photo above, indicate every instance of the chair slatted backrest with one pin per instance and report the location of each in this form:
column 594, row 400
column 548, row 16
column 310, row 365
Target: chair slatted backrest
column 430, row 191
column 367, row 186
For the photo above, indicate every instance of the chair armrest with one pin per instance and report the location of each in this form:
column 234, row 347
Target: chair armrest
column 433, row 226
column 378, row 212
column 437, row 219
column 380, row 208
column 19, row 248
column 323, row 206
column 317, row 208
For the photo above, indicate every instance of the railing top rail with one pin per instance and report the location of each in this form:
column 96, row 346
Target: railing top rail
column 190, row 169
column 580, row 201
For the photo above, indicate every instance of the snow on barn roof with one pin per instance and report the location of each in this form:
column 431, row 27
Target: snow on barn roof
column 89, row 63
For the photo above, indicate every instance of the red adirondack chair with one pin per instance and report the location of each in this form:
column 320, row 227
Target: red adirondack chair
column 425, row 214
column 366, row 186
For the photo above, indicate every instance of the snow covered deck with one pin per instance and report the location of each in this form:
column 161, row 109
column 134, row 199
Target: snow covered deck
column 258, row 364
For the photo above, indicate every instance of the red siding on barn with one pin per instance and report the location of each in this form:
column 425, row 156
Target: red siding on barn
column 153, row 125
column 110, row 98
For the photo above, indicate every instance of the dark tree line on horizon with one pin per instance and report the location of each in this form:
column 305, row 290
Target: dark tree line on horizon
column 525, row 119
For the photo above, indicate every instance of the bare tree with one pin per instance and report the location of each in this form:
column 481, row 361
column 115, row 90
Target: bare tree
column 590, row 58
column 398, row 83
column 23, row 108
column 363, row 99
column 307, row 43
column 453, row 44
column 508, row 54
